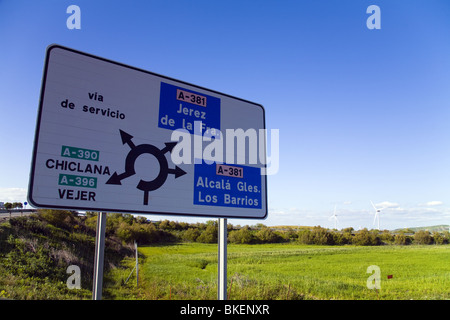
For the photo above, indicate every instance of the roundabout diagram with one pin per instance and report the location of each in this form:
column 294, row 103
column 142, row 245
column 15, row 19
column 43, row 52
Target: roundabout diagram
column 146, row 185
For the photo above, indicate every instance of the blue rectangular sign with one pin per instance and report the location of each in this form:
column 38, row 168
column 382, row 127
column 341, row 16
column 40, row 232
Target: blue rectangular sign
column 179, row 108
column 227, row 186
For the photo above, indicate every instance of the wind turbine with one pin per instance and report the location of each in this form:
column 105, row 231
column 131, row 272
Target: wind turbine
column 334, row 216
column 377, row 214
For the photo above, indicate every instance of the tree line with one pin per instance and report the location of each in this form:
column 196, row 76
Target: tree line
column 129, row 228
column 13, row 205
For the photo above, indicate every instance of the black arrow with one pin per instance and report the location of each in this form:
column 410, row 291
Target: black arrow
column 145, row 198
column 178, row 172
column 134, row 153
column 116, row 178
column 169, row 147
column 126, row 138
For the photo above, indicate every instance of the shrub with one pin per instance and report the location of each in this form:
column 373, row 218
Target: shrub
column 142, row 233
column 341, row 238
column 439, row 238
column 402, row 239
column 423, row 237
column 387, row 237
column 266, row 235
column 124, row 232
column 305, row 237
column 446, row 237
column 29, row 262
column 317, row 235
column 209, row 235
column 190, row 235
column 58, row 218
column 366, row 238
column 241, row 236
column 321, row 236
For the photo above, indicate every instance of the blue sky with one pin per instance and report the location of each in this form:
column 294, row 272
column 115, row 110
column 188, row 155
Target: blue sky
column 362, row 114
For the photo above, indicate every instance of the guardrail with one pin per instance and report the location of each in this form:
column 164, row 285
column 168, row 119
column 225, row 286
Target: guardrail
column 17, row 210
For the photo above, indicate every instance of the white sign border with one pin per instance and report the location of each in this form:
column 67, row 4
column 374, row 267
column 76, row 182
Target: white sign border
column 38, row 125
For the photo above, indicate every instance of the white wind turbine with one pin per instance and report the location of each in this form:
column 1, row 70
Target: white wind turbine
column 334, row 216
column 377, row 214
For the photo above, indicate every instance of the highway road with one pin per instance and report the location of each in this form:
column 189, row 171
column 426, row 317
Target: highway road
column 5, row 214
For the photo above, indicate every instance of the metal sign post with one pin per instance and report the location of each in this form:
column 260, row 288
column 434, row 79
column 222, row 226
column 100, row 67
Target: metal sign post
column 222, row 261
column 137, row 264
column 99, row 256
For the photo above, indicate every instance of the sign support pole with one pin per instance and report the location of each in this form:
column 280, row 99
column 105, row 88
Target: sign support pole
column 137, row 264
column 99, row 256
column 222, row 260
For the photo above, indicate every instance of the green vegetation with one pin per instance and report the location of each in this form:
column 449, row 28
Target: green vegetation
column 179, row 260
column 291, row 271
column 35, row 252
column 129, row 229
column 14, row 205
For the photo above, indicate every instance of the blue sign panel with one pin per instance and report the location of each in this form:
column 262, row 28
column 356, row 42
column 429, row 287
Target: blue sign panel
column 179, row 108
column 227, row 186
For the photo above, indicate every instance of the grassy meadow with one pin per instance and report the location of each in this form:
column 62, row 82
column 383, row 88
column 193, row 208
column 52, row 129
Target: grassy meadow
column 284, row 271
column 180, row 260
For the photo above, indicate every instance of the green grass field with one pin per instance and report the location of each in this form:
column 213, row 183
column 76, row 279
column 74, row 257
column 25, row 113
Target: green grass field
column 285, row 271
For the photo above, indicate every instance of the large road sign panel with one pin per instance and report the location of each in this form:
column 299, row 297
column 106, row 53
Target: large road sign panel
column 115, row 138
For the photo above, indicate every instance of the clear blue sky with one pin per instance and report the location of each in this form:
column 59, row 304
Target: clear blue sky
column 362, row 114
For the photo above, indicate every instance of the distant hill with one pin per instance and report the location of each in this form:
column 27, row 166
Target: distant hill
column 438, row 228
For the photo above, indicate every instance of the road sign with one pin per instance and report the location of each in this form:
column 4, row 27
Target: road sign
column 115, row 138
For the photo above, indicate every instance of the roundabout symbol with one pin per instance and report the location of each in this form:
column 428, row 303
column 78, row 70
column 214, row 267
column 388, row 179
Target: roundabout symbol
column 130, row 160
